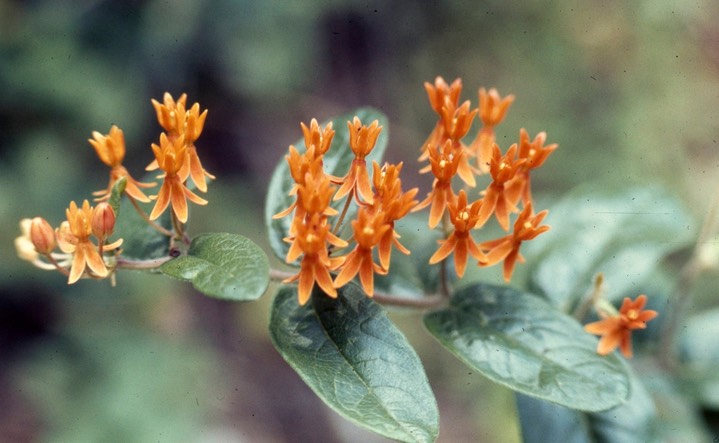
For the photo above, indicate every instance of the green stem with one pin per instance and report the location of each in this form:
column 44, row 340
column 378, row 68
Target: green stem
column 123, row 263
column 341, row 218
column 145, row 217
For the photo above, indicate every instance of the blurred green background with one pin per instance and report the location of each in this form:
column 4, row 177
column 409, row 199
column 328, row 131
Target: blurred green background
column 628, row 90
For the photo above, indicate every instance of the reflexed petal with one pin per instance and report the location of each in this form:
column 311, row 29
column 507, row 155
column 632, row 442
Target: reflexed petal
column 367, row 276
column 178, row 201
column 350, row 268
column 324, row 281
column 94, row 261
column 363, row 184
column 609, row 342
column 460, row 257
column 78, row 266
column 444, row 250
column 163, row 199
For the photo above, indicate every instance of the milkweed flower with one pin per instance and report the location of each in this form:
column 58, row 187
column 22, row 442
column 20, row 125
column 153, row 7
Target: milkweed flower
column 616, row 330
column 73, row 237
column 535, row 154
column 300, row 166
column 440, row 95
column 393, row 204
column 492, row 110
column 460, row 242
column 368, row 231
column 362, row 141
column 443, row 164
column 179, row 122
column 31, row 243
column 320, row 138
column 110, row 149
column 502, row 195
column 310, row 241
column 171, row 156
column 457, row 121
column 526, row 227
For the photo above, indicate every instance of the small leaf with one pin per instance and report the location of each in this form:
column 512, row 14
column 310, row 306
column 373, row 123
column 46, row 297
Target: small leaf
column 520, row 341
column 116, row 195
column 225, row 266
column 336, row 162
column 356, row 361
column 622, row 233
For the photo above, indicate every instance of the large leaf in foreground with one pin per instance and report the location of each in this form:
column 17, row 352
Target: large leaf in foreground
column 519, row 340
column 336, row 162
column 621, row 233
column 356, row 361
column 221, row 265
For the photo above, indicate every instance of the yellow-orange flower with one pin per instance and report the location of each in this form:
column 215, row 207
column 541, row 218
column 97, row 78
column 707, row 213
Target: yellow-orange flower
column 171, row 156
column 440, row 95
column 535, row 154
column 368, row 231
column 616, row 330
column 73, row 237
column 393, row 204
column 443, row 163
column 310, row 241
column 506, row 248
column 315, row 136
column 499, row 197
column 180, row 122
column 464, row 218
column 111, row 150
column 300, row 166
column 492, row 110
column 362, row 141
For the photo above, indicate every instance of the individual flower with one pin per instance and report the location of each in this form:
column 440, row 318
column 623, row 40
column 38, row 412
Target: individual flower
column 393, row 204
column 368, row 231
column 457, row 121
column 310, row 241
column 73, row 237
column 320, row 138
column 315, row 194
column 440, row 95
column 42, row 236
column 37, row 237
column 535, row 154
column 170, row 156
column 526, row 227
column 616, row 330
column 464, row 218
column 179, row 122
column 443, row 164
column 499, row 197
column 300, row 166
column 362, row 141
column 111, row 150
column 492, row 110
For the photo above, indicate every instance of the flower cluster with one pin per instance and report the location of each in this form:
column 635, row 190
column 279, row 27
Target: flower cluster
column 176, row 155
column 380, row 202
column 448, row 157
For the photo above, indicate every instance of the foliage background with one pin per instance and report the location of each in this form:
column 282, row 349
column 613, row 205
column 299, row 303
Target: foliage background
column 628, row 90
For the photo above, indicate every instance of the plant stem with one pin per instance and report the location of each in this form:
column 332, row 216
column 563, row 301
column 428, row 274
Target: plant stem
column 147, row 219
column 123, row 263
column 341, row 218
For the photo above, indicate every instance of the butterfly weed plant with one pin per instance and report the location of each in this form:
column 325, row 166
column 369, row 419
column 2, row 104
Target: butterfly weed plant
column 335, row 213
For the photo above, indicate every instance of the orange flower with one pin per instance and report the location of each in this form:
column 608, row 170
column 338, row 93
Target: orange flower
column 616, row 330
column 179, row 122
column 300, row 166
column 507, row 248
column 171, row 156
column 440, row 95
column 457, row 121
column 368, row 231
column 73, row 237
column 311, row 241
column 444, row 164
column 499, row 197
column 535, row 154
column 321, row 139
column 393, row 204
column 460, row 241
column 492, row 110
column 362, row 141
column 111, row 150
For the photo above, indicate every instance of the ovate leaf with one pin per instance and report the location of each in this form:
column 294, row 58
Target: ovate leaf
column 221, row 265
column 521, row 341
column 356, row 361
column 336, row 162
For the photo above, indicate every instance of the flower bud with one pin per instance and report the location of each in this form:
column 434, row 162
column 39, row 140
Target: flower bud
column 42, row 235
column 103, row 221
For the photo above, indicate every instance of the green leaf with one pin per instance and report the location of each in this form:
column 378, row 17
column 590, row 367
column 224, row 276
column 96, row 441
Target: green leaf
column 700, row 357
column 622, row 233
column 356, row 361
column 226, row 266
column 522, row 342
column 336, row 162
column 140, row 240
column 633, row 421
column 116, row 195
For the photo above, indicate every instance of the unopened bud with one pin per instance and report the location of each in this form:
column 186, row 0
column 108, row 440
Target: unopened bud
column 42, row 235
column 103, row 221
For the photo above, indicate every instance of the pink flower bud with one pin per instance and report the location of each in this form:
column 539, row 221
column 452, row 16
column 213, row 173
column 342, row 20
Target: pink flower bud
column 103, row 221
column 42, row 235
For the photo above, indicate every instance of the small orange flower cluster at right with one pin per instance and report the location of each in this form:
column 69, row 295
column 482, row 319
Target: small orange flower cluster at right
column 312, row 236
column 616, row 328
column 510, row 185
